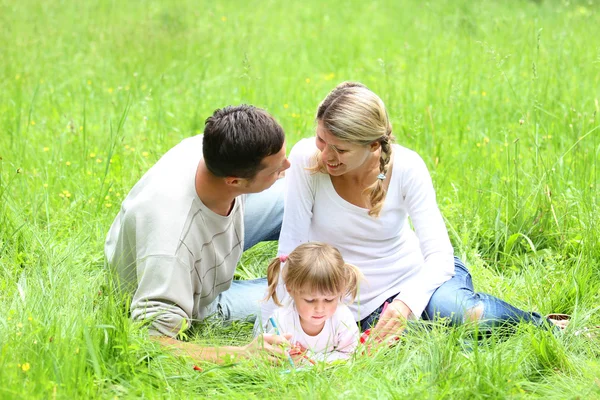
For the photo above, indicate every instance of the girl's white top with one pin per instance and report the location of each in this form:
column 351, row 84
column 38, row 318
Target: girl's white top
column 394, row 258
column 336, row 341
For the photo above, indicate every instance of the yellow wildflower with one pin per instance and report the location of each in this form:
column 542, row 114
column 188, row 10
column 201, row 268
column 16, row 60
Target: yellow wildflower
column 25, row 367
column 307, row 80
column 46, row 148
column 223, row 18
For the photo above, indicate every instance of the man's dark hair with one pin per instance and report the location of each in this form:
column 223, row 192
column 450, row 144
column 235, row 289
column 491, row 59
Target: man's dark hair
column 237, row 139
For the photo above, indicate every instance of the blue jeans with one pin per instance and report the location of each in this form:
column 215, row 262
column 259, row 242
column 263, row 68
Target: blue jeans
column 456, row 299
column 263, row 215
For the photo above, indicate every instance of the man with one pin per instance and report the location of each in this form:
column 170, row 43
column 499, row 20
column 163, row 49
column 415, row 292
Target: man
column 180, row 232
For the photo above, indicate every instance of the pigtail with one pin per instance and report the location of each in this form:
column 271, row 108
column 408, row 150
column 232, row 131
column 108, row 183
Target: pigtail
column 273, row 272
column 376, row 193
column 353, row 277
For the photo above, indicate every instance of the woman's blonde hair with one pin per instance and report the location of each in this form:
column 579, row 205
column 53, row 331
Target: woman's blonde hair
column 314, row 267
column 353, row 113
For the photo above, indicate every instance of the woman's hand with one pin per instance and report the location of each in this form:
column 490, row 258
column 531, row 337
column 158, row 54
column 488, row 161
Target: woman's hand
column 274, row 347
column 391, row 323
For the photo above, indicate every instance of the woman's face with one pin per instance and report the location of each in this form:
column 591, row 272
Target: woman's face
column 340, row 156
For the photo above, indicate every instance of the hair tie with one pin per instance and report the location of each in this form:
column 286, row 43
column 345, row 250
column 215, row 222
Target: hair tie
column 283, row 258
column 381, row 176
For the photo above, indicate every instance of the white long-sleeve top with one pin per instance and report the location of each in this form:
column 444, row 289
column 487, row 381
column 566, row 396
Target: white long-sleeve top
column 337, row 340
column 394, row 258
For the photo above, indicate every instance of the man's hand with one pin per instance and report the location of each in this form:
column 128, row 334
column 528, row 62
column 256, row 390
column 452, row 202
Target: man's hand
column 391, row 323
column 274, row 347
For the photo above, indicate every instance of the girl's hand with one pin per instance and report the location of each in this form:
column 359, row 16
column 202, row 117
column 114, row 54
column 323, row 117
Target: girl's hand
column 300, row 356
column 275, row 347
column 391, row 323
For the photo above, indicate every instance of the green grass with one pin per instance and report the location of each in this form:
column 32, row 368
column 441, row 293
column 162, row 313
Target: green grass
column 500, row 98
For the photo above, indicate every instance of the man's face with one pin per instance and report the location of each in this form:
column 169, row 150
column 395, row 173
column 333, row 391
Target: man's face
column 274, row 165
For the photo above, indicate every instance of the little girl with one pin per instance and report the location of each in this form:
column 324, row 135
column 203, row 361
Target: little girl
column 317, row 280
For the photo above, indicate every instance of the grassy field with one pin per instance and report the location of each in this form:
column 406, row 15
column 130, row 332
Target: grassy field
column 501, row 99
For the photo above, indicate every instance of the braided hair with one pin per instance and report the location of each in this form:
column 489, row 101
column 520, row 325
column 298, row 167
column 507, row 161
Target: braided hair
column 353, row 113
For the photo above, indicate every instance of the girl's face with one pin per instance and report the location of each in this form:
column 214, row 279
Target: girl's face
column 340, row 156
column 314, row 309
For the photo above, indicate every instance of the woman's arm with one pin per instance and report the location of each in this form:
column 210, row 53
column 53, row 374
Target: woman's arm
column 419, row 196
column 299, row 197
column 420, row 199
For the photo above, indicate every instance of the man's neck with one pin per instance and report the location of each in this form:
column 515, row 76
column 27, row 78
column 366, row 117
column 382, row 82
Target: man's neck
column 213, row 191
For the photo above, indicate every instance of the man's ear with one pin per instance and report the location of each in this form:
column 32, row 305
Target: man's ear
column 234, row 181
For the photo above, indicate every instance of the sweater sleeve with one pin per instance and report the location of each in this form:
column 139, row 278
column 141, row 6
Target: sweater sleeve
column 298, row 198
column 164, row 295
column 420, row 199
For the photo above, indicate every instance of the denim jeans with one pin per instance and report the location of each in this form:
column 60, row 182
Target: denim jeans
column 262, row 222
column 457, row 297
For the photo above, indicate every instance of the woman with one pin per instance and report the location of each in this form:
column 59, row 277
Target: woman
column 351, row 187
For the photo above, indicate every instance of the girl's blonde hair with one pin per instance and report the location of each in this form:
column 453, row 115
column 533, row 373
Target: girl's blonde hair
column 353, row 113
column 314, row 267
